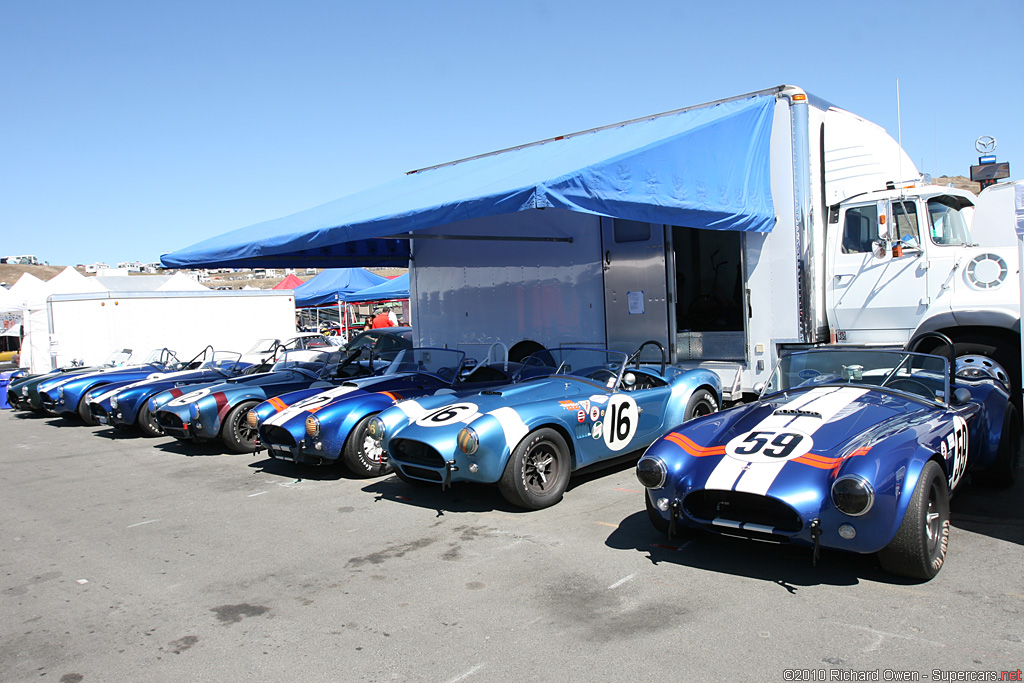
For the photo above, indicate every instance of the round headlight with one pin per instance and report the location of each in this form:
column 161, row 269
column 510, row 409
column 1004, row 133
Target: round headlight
column 252, row 419
column 468, row 441
column 113, row 401
column 853, row 495
column 24, row 391
column 312, row 426
column 60, row 391
column 651, row 472
column 375, row 428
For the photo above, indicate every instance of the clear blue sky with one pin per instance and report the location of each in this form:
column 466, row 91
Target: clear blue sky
column 129, row 129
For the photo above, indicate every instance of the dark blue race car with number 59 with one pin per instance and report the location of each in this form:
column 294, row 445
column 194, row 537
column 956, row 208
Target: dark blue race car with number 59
column 847, row 448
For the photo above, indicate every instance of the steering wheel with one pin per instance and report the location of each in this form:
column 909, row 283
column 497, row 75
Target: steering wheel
column 911, row 386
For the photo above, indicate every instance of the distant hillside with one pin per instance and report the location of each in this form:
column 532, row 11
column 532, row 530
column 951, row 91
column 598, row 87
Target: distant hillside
column 959, row 182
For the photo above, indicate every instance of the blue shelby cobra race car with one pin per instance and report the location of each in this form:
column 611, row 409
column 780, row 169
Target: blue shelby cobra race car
column 572, row 408
column 314, row 426
column 219, row 409
column 124, row 404
column 69, row 395
column 23, row 390
column 852, row 449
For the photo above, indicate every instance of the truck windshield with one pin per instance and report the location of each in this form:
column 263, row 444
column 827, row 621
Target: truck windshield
column 948, row 224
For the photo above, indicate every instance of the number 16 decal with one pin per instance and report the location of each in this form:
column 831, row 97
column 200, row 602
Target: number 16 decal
column 620, row 420
column 768, row 445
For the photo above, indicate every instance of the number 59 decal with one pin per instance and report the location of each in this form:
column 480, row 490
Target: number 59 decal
column 769, row 445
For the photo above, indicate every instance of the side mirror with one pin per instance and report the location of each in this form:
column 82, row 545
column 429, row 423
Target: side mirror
column 879, row 249
column 961, row 396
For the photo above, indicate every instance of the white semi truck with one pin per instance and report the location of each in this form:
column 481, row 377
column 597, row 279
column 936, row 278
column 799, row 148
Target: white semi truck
column 862, row 252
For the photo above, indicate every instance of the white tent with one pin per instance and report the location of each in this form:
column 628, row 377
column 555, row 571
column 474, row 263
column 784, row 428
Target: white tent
column 179, row 282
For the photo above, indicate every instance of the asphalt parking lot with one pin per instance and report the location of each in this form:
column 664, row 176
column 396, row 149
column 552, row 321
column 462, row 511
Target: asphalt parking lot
column 131, row 559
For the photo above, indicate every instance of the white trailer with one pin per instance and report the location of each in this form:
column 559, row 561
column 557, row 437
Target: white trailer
column 858, row 255
column 87, row 327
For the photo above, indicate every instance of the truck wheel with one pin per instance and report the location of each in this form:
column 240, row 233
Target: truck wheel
column 702, row 402
column 236, row 433
column 537, row 474
column 919, row 547
column 1003, row 471
column 147, row 423
column 84, row 412
column 1003, row 358
column 362, row 455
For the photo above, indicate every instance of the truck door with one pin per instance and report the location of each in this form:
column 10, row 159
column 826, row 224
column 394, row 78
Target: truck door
column 874, row 299
column 635, row 284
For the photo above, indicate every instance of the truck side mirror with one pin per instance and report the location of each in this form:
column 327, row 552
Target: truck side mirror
column 879, row 249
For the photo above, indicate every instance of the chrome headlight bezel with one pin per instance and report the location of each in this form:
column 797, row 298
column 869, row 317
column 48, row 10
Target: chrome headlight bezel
column 861, row 488
column 652, row 472
column 468, row 440
column 252, row 419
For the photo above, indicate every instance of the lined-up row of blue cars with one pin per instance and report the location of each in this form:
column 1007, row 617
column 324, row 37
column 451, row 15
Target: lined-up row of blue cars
column 847, row 448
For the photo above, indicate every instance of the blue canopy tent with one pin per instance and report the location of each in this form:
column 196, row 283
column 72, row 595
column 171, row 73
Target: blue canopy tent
column 704, row 167
column 333, row 285
column 398, row 288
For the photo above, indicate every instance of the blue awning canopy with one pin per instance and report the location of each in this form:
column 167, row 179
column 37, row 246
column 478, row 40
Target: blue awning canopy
column 333, row 285
column 397, row 288
column 705, row 167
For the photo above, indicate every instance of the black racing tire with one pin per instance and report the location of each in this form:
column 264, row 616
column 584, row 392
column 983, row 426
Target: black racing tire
column 1004, row 469
column 84, row 412
column 918, row 549
column 236, row 433
column 362, row 455
column 537, row 474
column 147, row 423
column 702, row 402
column 657, row 521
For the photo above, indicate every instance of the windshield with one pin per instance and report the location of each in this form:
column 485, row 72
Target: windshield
column 264, row 346
column 914, row 373
column 442, row 363
column 119, row 357
column 309, row 362
column 221, row 361
column 948, row 224
column 597, row 365
column 164, row 357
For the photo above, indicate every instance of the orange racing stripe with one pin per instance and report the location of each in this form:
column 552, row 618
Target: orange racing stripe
column 692, row 448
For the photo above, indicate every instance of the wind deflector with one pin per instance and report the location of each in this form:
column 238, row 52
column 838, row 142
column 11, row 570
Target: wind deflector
column 705, row 167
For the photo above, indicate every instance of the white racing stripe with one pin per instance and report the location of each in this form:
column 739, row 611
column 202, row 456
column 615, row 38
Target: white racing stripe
column 306, row 403
column 511, row 424
column 412, row 409
column 757, row 477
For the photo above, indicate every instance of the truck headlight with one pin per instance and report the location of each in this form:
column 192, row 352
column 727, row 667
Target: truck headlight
column 853, row 495
column 252, row 419
column 312, row 426
column 468, row 441
column 651, row 472
column 375, row 429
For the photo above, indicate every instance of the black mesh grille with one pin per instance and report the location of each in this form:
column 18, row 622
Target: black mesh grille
column 279, row 436
column 420, row 473
column 748, row 508
column 97, row 410
column 168, row 420
column 417, row 452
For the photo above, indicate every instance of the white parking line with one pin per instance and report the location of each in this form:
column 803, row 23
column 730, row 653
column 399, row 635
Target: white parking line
column 252, row 495
column 621, row 581
column 467, row 674
column 149, row 521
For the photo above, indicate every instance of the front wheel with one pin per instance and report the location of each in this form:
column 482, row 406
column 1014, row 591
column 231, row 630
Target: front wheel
column 236, row 434
column 147, row 423
column 918, row 549
column 537, row 474
column 362, row 455
column 84, row 412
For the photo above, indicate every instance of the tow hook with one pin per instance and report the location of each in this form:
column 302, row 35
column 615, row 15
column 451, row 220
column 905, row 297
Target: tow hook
column 449, row 467
column 673, row 514
column 815, row 536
